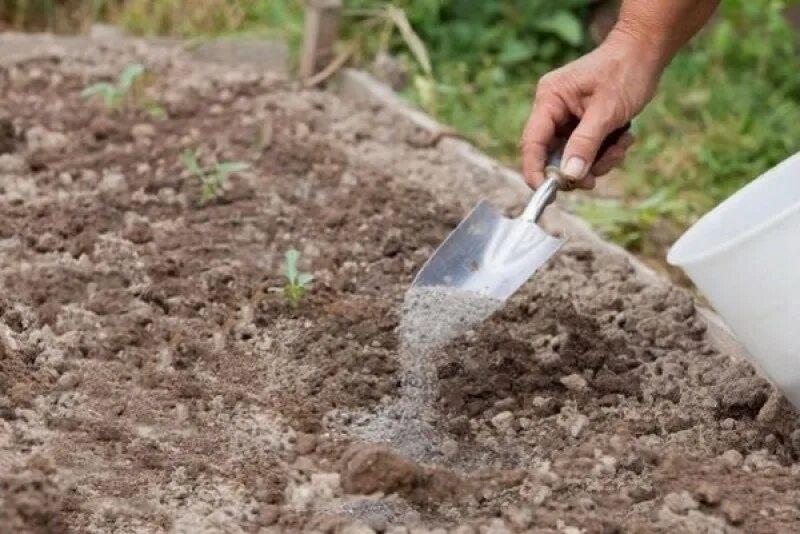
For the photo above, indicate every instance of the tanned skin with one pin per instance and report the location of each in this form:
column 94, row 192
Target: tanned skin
column 607, row 87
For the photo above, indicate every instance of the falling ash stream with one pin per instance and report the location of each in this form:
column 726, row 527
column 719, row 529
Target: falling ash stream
column 430, row 318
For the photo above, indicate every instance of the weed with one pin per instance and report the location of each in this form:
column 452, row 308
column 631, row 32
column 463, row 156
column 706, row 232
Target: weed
column 130, row 88
column 632, row 223
column 114, row 95
column 297, row 283
column 212, row 180
column 155, row 111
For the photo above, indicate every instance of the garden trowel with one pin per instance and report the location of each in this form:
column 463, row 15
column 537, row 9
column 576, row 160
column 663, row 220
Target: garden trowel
column 492, row 255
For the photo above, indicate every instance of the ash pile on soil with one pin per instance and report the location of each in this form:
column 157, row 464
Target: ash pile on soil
column 402, row 426
column 430, row 318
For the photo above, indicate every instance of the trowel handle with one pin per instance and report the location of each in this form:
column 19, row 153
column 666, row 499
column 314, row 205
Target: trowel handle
column 556, row 181
column 554, row 161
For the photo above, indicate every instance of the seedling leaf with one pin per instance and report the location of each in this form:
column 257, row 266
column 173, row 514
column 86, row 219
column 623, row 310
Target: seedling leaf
column 97, row 89
column 157, row 112
column 114, row 93
column 212, row 180
column 129, row 75
column 189, row 160
column 108, row 92
column 212, row 187
column 229, row 167
column 297, row 282
column 290, row 267
column 304, row 279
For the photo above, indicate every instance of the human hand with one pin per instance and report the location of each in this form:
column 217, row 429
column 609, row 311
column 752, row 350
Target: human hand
column 604, row 90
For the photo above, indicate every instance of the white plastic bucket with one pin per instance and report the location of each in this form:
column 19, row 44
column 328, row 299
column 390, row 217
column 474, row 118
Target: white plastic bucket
column 745, row 257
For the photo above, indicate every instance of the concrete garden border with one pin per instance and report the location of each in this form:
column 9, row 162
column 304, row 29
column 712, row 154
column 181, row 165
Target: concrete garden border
column 356, row 85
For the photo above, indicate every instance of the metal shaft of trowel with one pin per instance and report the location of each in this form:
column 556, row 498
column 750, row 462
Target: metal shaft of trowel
column 555, row 180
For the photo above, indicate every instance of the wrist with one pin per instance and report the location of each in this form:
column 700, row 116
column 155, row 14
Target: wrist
column 651, row 47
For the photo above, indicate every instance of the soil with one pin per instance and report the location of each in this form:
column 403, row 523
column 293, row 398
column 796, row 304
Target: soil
column 154, row 379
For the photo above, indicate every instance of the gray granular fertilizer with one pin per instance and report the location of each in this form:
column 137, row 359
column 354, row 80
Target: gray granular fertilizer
column 430, row 318
column 404, row 426
column 433, row 315
column 378, row 514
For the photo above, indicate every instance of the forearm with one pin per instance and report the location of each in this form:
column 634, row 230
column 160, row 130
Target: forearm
column 662, row 27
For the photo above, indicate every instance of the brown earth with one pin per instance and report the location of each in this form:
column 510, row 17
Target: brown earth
column 152, row 379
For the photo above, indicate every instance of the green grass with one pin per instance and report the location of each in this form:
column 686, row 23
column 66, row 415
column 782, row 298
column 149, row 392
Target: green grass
column 55, row 15
column 186, row 18
column 191, row 18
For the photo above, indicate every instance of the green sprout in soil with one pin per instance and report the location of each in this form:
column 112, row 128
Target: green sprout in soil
column 130, row 87
column 113, row 94
column 297, row 283
column 212, row 180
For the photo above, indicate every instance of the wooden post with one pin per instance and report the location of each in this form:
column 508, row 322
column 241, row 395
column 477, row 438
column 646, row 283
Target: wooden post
column 321, row 34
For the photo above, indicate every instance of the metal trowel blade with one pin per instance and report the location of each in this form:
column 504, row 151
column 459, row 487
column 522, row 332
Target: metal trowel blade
column 489, row 254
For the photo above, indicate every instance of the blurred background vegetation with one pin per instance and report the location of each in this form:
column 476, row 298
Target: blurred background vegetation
column 728, row 109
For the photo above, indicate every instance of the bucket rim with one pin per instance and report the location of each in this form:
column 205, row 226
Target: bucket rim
column 681, row 255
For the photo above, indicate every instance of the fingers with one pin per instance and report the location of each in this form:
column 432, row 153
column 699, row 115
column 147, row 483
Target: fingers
column 551, row 114
column 581, row 149
column 536, row 138
column 548, row 112
column 613, row 156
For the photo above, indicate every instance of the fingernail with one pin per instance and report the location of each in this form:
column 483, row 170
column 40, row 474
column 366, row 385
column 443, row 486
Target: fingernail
column 575, row 167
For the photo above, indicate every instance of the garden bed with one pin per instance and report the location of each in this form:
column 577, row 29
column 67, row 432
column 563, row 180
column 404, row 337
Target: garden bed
column 153, row 379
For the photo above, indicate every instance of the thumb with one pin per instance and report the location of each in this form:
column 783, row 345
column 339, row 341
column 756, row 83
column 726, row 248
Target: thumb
column 584, row 142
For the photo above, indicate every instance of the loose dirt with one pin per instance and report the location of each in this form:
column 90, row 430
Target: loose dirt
column 153, row 380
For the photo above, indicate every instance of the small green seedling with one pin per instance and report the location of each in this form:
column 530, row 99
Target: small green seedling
column 212, row 180
column 156, row 111
column 297, row 283
column 112, row 94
